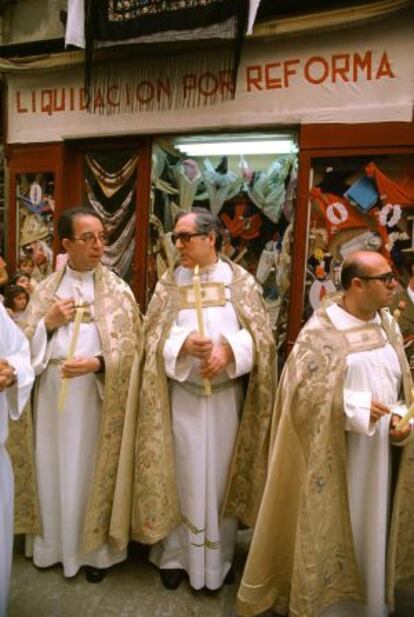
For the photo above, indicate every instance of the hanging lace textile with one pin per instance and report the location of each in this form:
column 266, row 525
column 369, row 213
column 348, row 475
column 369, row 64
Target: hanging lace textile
column 119, row 254
column 220, row 186
column 115, row 21
column 188, row 176
column 111, row 220
column 110, row 183
column 268, row 190
column 118, row 216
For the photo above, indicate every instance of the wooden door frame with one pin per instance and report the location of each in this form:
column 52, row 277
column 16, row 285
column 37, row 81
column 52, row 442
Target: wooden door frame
column 332, row 140
column 74, row 152
column 32, row 158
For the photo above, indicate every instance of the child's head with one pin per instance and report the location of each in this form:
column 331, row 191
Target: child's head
column 26, row 264
column 23, row 280
column 16, row 298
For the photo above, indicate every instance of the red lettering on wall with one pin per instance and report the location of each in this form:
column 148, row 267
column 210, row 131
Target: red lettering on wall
column 110, row 98
column 384, row 68
column 59, row 106
column 189, row 84
column 289, row 70
column 226, row 82
column 340, row 67
column 272, row 83
column 145, row 91
column 208, row 84
column 315, row 65
column 46, row 101
column 83, row 99
column 163, row 87
column 254, row 78
column 20, row 108
column 362, row 64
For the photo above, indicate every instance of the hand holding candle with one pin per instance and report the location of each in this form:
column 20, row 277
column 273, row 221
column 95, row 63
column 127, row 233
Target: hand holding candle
column 71, row 352
column 199, row 310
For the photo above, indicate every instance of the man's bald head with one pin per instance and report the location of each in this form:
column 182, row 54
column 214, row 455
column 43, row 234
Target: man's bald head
column 360, row 264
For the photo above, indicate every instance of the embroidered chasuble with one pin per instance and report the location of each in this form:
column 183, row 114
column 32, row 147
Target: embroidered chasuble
column 77, row 453
column 320, row 544
column 201, row 460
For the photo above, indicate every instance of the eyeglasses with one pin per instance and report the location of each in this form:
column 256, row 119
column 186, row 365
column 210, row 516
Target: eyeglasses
column 90, row 238
column 386, row 278
column 184, row 236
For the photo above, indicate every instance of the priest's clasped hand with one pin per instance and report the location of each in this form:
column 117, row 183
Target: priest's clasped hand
column 220, row 357
column 79, row 366
column 60, row 313
column 197, row 346
column 378, row 410
column 7, row 375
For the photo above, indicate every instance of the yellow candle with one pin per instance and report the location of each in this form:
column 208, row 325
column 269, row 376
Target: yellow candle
column 199, row 311
column 71, row 352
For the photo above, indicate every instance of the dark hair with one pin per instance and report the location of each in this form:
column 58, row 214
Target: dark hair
column 205, row 223
column 26, row 260
column 351, row 268
column 65, row 222
column 18, row 275
column 11, row 292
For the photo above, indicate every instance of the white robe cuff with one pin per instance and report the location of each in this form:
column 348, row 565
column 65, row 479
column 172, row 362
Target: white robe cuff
column 357, row 407
column 175, row 367
column 19, row 392
column 39, row 348
column 242, row 346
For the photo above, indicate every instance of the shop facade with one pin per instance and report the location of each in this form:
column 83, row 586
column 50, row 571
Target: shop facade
column 343, row 100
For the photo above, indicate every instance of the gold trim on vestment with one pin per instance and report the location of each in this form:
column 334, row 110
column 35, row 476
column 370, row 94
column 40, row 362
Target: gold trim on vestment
column 212, row 294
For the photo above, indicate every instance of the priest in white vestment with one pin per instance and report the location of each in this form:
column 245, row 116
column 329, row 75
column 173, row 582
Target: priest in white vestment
column 204, row 426
column 372, row 404
column 16, row 379
column 69, row 447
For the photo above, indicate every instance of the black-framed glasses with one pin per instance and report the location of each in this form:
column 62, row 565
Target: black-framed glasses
column 387, row 278
column 184, row 236
column 88, row 237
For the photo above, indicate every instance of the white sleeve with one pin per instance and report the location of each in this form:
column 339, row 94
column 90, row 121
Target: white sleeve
column 242, row 345
column 39, row 348
column 357, row 407
column 175, row 367
column 17, row 354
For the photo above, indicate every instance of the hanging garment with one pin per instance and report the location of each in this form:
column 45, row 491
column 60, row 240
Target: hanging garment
column 110, row 183
column 110, row 219
column 268, row 191
column 118, row 255
column 241, row 225
column 220, row 186
column 389, row 191
column 188, row 176
column 290, row 195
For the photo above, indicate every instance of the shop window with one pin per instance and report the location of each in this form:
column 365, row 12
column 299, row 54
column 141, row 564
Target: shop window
column 250, row 184
column 358, row 203
column 35, row 206
column 109, row 187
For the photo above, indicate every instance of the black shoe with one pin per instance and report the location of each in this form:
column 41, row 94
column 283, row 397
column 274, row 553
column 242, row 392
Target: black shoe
column 172, row 578
column 229, row 580
column 95, row 575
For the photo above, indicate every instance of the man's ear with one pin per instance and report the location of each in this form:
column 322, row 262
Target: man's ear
column 64, row 243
